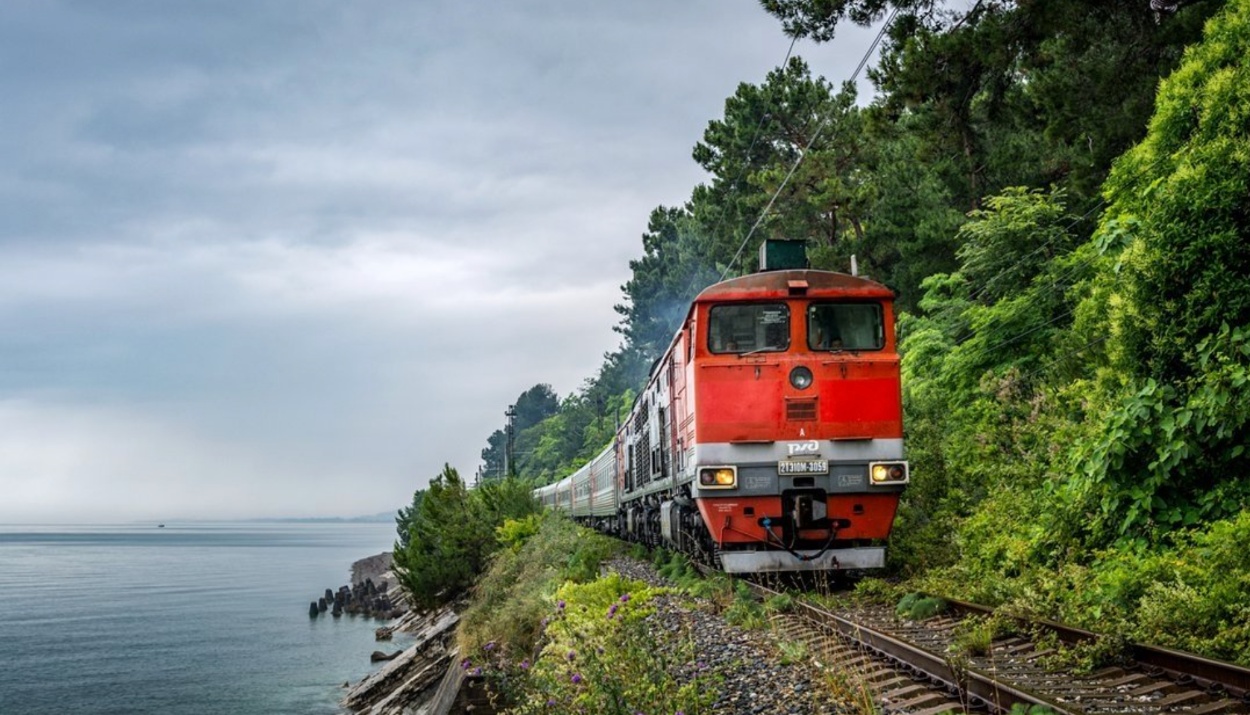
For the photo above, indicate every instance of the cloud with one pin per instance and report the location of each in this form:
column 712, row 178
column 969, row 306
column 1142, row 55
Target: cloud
column 256, row 252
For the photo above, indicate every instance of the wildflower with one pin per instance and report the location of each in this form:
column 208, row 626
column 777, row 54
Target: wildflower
column 612, row 612
column 625, row 598
column 551, row 702
column 525, row 665
column 477, row 672
column 464, row 664
column 489, row 646
column 577, row 678
column 572, row 654
column 560, row 605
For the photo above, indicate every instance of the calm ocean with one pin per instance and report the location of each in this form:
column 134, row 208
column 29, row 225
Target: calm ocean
column 194, row 618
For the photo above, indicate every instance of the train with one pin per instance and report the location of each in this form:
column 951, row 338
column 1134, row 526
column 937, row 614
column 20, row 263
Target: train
column 769, row 436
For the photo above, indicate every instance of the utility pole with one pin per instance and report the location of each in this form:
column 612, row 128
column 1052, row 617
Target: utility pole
column 508, row 462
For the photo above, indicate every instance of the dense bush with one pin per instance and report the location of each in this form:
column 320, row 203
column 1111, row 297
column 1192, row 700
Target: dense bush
column 518, row 589
column 451, row 533
column 1078, row 432
column 554, row 636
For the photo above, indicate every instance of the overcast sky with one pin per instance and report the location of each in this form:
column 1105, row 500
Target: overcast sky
column 286, row 258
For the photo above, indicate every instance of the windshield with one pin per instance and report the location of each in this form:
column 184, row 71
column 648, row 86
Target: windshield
column 845, row 326
column 757, row 327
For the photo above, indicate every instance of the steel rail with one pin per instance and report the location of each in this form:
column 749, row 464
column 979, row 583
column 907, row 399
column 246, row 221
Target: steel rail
column 973, row 684
column 1176, row 664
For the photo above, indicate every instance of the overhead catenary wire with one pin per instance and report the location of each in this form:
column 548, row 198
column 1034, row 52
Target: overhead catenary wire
column 746, row 163
column 804, row 151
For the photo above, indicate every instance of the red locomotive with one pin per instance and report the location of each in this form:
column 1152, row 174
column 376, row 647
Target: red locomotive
column 769, row 436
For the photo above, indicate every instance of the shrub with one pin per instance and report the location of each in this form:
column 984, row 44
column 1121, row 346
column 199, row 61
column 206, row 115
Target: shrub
column 511, row 598
column 599, row 656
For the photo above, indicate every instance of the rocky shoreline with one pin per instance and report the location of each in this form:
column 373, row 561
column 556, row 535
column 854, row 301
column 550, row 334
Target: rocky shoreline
column 416, row 680
column 370, row 594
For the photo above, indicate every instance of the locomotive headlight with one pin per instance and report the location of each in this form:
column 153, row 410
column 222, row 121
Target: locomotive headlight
column 718, row 477
column 888, row 472
column 801, row 378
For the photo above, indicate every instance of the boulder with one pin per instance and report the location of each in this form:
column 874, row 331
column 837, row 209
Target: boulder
column 380, row 656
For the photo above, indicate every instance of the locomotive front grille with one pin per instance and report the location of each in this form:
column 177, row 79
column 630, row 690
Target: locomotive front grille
column 803, row 410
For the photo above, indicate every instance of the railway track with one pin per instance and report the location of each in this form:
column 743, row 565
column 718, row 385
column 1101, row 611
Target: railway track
column 899, row 666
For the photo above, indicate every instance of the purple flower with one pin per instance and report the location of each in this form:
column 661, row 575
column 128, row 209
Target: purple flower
column 525, row 665
column 464, row 664
column 551, row 702
column 560, row 605
column 477, row 672
column 490, row 646
column 625, row 598
column 612, row 611
column 577, row 678
column 572, row 654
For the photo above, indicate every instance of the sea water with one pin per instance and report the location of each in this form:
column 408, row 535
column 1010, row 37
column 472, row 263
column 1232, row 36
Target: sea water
column 185, row 618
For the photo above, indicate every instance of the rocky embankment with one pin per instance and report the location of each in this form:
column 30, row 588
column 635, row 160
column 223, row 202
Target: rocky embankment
column 419, row 681
column 371, row 594
column 415, row 681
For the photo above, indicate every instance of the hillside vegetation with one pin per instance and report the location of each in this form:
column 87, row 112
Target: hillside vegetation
column 1059, row 192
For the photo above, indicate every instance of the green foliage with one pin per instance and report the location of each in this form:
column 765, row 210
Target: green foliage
column 1190, row 594
column 975, row 636
column 517, row 591
column 513, row 533
column 819, row 19
column 598, row 655
column 919, row 607
column 1085, row 657
column 745, row 611
column 407, row 517
column 1187, row 187
column 979, row 413
column 781, row 603
column 531, row 407
column 1022, row 709
column 792, row 653
column 876, row 590
column 453, row 533
column 676, row 567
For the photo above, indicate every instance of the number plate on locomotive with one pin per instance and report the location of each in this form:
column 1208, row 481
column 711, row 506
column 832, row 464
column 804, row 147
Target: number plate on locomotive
column 802, row 467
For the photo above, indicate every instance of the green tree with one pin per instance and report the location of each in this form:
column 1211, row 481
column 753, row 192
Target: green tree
column 1176, row 408
column 453, row 534
column 672, row 270
column 407, row 517
column 819, row 19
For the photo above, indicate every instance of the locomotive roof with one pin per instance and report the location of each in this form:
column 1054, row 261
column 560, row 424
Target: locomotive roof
column 785, row 284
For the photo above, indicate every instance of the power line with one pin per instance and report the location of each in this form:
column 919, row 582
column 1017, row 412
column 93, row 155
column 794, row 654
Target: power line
column 803, row 153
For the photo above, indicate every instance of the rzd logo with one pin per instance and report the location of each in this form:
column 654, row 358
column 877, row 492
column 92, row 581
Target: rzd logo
column 809, row 447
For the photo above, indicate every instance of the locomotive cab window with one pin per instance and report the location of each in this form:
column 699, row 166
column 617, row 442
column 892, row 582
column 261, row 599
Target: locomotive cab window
column 845, row 326
column 749, row 328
